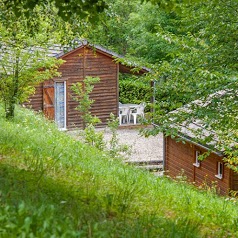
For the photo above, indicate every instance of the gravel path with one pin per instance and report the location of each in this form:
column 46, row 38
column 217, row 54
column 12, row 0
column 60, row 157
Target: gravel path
column 141, row 148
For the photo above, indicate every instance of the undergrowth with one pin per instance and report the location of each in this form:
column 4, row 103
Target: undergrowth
column 54, row 186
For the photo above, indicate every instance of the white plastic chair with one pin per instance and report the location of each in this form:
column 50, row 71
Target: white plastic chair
column 123, row 114
column 137, row 111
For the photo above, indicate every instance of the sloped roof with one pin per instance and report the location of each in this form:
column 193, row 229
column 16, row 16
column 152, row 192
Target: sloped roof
column 199, row 129
column 59, row 51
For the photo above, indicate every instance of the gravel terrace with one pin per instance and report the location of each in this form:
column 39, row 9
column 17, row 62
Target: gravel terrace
column 141, row 148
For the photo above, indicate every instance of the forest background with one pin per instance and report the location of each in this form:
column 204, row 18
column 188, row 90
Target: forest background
column 190, row 47
column 52, row 185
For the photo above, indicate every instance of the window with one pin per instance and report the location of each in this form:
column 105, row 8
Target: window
column 197, row 161
column 219, row 170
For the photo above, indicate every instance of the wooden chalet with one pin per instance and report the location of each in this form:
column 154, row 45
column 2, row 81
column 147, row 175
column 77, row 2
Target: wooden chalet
column 54, row 97
column 182, row 159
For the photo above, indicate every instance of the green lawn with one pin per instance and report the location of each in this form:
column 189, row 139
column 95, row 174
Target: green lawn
column 54, row 186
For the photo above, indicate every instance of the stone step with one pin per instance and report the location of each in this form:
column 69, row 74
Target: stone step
column 151, row 167
column 144, row 162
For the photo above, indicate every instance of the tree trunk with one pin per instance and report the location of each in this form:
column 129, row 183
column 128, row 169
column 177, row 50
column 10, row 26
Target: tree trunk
column 10, row 108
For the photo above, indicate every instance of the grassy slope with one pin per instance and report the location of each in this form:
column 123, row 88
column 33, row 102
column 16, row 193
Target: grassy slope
column 51, row 185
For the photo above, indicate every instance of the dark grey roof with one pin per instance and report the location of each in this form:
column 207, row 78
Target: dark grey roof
column 197, row 129
column 59, row 51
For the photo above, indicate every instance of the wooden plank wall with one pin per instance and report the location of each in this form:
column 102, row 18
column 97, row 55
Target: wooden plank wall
column 36, row 100
column 205, row 174
column 234, row 181
column 179, row 157
column 78, row 64
column 86, row 62
column 72, row 71
column 105, row 93
column 182, row 156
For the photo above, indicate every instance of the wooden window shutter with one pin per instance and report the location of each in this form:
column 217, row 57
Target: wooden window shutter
column 49, row 99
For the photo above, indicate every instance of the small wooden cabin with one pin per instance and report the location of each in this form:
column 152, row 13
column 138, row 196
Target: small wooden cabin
column 181, row 158
column 198, row 127
column 54, row 97
column 201, row 133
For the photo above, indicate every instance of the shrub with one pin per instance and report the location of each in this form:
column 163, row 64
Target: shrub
column 134, row 90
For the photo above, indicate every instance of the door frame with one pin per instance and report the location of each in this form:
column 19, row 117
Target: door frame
column 65, row 102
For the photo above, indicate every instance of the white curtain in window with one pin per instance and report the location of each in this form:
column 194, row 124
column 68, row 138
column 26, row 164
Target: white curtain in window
column 60, row 104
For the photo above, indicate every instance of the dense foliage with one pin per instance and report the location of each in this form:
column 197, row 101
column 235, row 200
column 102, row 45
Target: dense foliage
column 52, row 185
column 205, row 63
column 134, row 89
column 24, row 60
column 192, row 46
column 65, row 8
column 130, row 28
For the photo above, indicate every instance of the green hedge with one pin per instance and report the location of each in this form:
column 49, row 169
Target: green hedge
column 132, row 90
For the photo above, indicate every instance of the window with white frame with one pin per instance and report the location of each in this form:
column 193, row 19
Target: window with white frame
column 220, row 171
column 197, row 161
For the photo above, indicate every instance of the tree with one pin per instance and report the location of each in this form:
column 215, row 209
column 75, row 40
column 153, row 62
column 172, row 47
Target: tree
column 130, row 29
column 24, row 62
column 204, row 65
column 204, row 54
column 82, row 96
column 205, row 51
column 88, row 9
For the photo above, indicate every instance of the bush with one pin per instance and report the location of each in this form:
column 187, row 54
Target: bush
column 134, row 90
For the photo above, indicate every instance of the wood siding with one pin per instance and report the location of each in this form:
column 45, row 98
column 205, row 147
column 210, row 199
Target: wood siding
column 181, row 157
column 78, row 64
column 36, row 101
column 178, row 159
column 234, row 181
column 86, row 62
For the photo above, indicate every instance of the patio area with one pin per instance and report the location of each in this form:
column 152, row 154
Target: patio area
column 131, row 113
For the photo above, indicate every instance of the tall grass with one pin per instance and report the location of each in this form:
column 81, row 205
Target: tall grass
column 54, row 186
